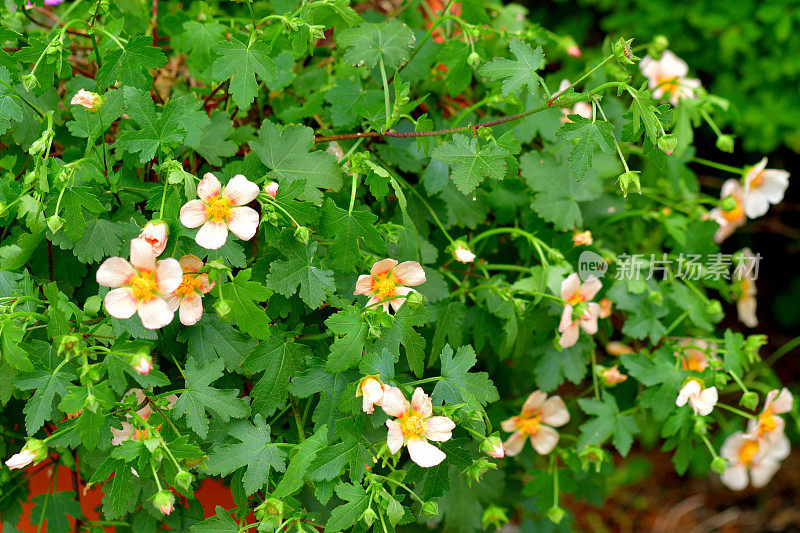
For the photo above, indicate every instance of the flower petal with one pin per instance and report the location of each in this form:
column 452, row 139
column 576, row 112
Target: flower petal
column 774, row 185
column 191, row 310
column 409, row 273
column 394, row 402
column 364, row 284
column 755, row 203
column 570, row 286
column 243, row 222
column 193, row 213
column 394, row 437
column 510, row 424
column 735, row 477
column 190, row 263
column 399, row 297
column 240, row 190
column 533, row 403
column 761, row 473
column 212, row 235
column 209, row 186
column 142, row 256
column 439, row 428
column 383, row 267
column 155, row 313
column 169, row 275
column 704, row 402
column 205, row 284
column 173, row 301
column 783, row 403
column 544, row 440
column 115, row 272
column 566, row 318
column 514, row 443
column 730, row 448
column 590, row 288
column 570, row 336
column 421, row 403
column 554, row 412
column 424, row 453
column 120, row 303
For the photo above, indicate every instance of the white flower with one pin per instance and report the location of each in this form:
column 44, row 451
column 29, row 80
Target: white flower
column 144, row 366
column 414, row 426
column 463, row 254
column 769, row 425
column 188, row 296
column 220, row 210
column 702, row 400
column 539, row 416
column 759, row 459
column 575, row 294
column 271, row 188
column 388, row 279
column 86, row 99
column 729, row 220
column 21, row 459
column 763, row 186
column 155, row 234
column 667, row 77
column 692, row 354
column 583, row 109
column 744, row 281
column 371, row 391
column 140, row 285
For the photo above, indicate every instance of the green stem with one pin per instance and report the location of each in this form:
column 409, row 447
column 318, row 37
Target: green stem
column 738, row 381
column 424, row 202
column 783, row 350
column 423, row 381
column 718, row 166
column 708, row 445
column 594, row 375
column 155, row 476
column 353, row 193
column 735, row 410
column 386, row 95
column 586, row 75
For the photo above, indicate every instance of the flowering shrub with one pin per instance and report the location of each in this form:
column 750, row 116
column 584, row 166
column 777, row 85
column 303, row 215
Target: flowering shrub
column 399, row 246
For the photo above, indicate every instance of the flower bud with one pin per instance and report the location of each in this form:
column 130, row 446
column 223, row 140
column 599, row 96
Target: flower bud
column 473, row 59
column 725, row 143
column 184, row 480
column 493, row 447
column 582, row 238
column 617, row 348
column 430, row 509
column 629, row 180
column 33, row 452
column 68, row 342
column 91, row 101
column 369, row 516
column 749, row 400
column 303, row 234
column 54, row 223
column 91, row 403
column 223, row 308
column 612, row 376
column 622, row 52
column 29, row 81
column 155, row 234
column 751, row 346
column 494, row 517
column 719, row 464
column 658, row 45
column 462, row 253
column 713, row 307
column 142, row 363
column 371, row 389
column 720, row 380
column 657, row 297
column 555, row 514
column 164, row 501
column 667, row 143
column 271, row 188
column 574, row 51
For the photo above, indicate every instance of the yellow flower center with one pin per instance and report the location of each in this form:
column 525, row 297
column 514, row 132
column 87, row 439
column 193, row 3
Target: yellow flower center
column 575, row 300
column 767, row 422
column 143, row 286
column 385, row 286
column 218, row 208
column 189, row 284
column 530, row 425
column 748, row 451
column 413, row 426
column 669, row 85
column 757, row 180
column 692, row 363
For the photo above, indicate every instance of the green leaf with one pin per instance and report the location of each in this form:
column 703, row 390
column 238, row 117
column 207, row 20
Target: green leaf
column 351, row 232
column 222, row 522
column 241, row 63
column 329, row 386
column 454, row 56
column 734, row 359
column 458, row 384
column 280, row 361
column 349, row 455
column 10, row 108
column 213, row 144
column 10, row 349
column 75, row 201
column 608, row 423
column 349, row 103
column 52, row 510
column 211, row 338
column 345, row 516
column 298, row 271
column 255, row 452
column 411, row 313
column 555, row 366
column 129, row 66
column 198, row 39
column 92, row 124
column 100, row 240
column 286, row 151
column 200, row 397
column 369, row 42
column 517, row 73
column 644, row 111
column 48, row 386
column 305, row 453
column 242, row 294
column 55, row 64
column 347, row 349
column 471, row 162
column 588, row 133
column 156, row 129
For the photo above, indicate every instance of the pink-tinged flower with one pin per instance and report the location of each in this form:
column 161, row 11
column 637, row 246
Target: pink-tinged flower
column 21, row 459
column 271, row 188
column 539, row 416
column 612, row 376
column 463, row 254
column 700, row 399
column 387, row 279
column 145, row 365
column 498, row 452
column 582, row 238
column 86, row 99
column 617, row 348
column 164, row 501
column 745, row 292
column 154, row 233
column 414, row 426
column 763, row 186
column 493, row 447
column 769, row 425
column 371, row 391
column 730, row 213
column 219, row 210
column 667, row 77
column 127, row 432
column 751, row 460
column 188, row 296
column 693, row 354
column 574, row 51
column 579, row 310
column 140, row 285
column 583, row 109
column 606, row 307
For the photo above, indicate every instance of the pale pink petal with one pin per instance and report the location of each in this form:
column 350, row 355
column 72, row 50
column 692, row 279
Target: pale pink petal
column 191, row 309
column 243, row 222
column 761, row 473
column 589, row 326
column 394, row 437
column 120, row 303
column 20, row 460
column 399, row 297
column 383, row 267
column 372, row 392
column 409, row 273
column 121, row 435
column 783, row 403
column 731, row 187
column 705, row 401
column 375, row 299
column 672, row 66
column 205, row 284
column 754, row 171
column 692, row 388
column 209, row 186
column 439, row 428
column 421, row 403
column 240, row 190
column 570, row 286
column 169, row 275
column 735, row 477
column 544, row 440
column 115, row 272
column 590, row 288
column 156, row 236
column 570, row 336
column 514, row 443
column 533, row 403
column 774, row 185
column 155, row 313
column 212, row 235
column 142, row 256
column 755, row 203
column 173, row 301
column 566, row 318
column 193, row 213
column 394, row 402
column 746, row 309
column 554, row 412
column 190, row 263
column 776, row 449
column 364, row 284
column 731, row 446
column 510, row 424
column 424, row 453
